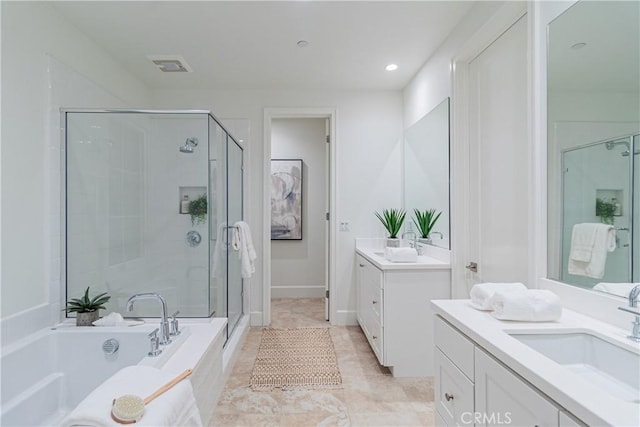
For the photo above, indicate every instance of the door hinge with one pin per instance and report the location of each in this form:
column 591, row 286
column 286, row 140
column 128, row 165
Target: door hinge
column 326, row 293
column 328, row 139
column 327, row 216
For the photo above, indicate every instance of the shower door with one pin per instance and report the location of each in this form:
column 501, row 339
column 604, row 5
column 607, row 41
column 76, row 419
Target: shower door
column 598, row 182
column 234, row 206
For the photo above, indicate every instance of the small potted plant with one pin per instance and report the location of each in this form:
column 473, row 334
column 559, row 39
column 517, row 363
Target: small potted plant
column 605, row 210
column 198, row 210
column 392, row 220
column 425, row 222
column 87, row 309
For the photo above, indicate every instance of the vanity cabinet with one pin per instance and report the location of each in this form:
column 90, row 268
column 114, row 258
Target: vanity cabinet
column 506, row 399
column 473, row 388
column 393, row 310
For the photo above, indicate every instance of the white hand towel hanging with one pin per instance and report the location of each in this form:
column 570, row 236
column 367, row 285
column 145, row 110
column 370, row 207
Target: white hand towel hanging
column 590, row 243
column 243, row 243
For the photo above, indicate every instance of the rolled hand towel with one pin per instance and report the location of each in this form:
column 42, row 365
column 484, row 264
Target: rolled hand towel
column 401, row 254
column 531, row 305
column 481, row 293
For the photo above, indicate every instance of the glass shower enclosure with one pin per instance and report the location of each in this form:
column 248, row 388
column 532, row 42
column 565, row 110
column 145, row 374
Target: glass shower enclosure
column 150, row 203
column 601, row 183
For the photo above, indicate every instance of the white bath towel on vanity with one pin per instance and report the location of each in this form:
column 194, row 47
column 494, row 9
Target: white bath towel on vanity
column 176, row 407
column 531, row 305
column 590, row 243
column 243, row 243
column 481, row 292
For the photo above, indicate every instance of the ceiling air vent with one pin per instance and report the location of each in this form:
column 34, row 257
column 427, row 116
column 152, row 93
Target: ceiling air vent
column 170, row 64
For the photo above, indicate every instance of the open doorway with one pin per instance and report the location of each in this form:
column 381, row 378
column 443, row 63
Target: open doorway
column 298, row 209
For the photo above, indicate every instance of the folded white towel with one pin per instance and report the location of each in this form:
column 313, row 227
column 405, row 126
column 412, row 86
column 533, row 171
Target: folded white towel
column 531, row 305
column 176, row 407
column 590, row 243
column 243, row 243
column 619, row 289
column 401, row 254
column 116, row 319
column 481, row 293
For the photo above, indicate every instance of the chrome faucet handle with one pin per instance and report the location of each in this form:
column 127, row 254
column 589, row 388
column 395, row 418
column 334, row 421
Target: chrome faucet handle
column 633, row 296
column 154, row 342
column 173, row 324
column 635, row 331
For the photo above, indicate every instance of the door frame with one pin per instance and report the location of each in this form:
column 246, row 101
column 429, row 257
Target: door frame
column 500, row 22
column 297, row 113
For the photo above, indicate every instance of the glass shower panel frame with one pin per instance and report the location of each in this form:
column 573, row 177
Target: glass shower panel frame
column 124, row 178
column 590, row 172
column 635, row 231
column 234, row 214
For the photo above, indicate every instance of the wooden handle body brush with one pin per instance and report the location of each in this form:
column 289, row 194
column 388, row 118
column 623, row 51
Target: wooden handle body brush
column 129, row 409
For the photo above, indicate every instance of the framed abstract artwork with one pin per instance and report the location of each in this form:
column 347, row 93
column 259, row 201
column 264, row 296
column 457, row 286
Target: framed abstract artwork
column 286, row 199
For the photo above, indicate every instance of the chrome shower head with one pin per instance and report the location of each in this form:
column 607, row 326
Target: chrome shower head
column 189, row 144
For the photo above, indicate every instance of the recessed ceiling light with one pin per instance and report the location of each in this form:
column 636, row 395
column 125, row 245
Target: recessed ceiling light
column 302, row 43
column 391, row 67
column 578, row 46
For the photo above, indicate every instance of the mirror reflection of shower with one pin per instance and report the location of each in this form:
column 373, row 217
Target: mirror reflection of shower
column 189, row 144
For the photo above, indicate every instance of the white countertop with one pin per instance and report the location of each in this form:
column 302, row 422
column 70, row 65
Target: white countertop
column 584, row 399
column 433, row 259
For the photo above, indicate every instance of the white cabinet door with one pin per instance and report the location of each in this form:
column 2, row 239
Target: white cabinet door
column 502, row 398
column 453, row 394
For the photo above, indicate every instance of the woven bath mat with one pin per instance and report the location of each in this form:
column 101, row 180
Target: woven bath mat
column 301, row 358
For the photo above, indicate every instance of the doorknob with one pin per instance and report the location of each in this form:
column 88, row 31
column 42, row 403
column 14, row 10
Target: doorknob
column 473, row 266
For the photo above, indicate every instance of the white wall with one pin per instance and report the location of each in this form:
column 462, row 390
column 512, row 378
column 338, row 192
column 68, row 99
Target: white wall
column 298, row 266
column 34, row 85
column 432, row 84
column 368, row 171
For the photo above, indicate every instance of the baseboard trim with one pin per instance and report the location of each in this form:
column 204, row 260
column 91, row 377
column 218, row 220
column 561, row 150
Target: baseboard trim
column 297, row 291
column 256, row 318
column 345, row 318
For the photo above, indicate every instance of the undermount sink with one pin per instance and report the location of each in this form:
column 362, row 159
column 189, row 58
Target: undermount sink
column 594, row 359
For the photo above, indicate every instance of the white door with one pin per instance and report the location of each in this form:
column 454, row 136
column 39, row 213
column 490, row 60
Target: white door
column 498, row 215
column 327, row 228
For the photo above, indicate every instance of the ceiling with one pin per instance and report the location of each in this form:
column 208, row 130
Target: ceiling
column 252, row 45
column 610, row 59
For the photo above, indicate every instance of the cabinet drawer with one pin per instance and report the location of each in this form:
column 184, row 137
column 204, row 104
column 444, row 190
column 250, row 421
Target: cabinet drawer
column 453, row 392
column 456, row 346
column 374, row 334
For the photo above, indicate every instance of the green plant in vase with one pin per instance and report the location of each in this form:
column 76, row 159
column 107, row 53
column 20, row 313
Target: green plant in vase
column 425, row 221
column 198, row 210
column 605, row 210
column 87, row 308
column 392, row 220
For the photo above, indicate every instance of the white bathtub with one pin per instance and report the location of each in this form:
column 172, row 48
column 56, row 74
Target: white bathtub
column 47, row 374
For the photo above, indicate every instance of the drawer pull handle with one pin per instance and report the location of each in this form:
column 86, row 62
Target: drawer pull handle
column 361, row 265
column 374, row 302
column 448, row 396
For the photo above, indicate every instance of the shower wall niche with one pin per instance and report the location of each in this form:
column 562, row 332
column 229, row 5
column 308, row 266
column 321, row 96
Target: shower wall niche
column 127, row 176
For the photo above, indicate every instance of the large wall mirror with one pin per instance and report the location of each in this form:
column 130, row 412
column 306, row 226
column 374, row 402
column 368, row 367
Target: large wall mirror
column 426, row 171
column 593, row 116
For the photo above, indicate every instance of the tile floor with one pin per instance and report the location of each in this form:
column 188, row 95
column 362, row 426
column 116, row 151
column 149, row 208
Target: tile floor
column 370, row 396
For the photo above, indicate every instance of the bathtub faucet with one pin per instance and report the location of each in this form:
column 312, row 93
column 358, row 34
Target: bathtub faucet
column 164, row 322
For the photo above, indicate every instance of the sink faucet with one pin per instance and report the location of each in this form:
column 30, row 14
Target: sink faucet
column 633, row 303
column 413, row 244
column 164, row 323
